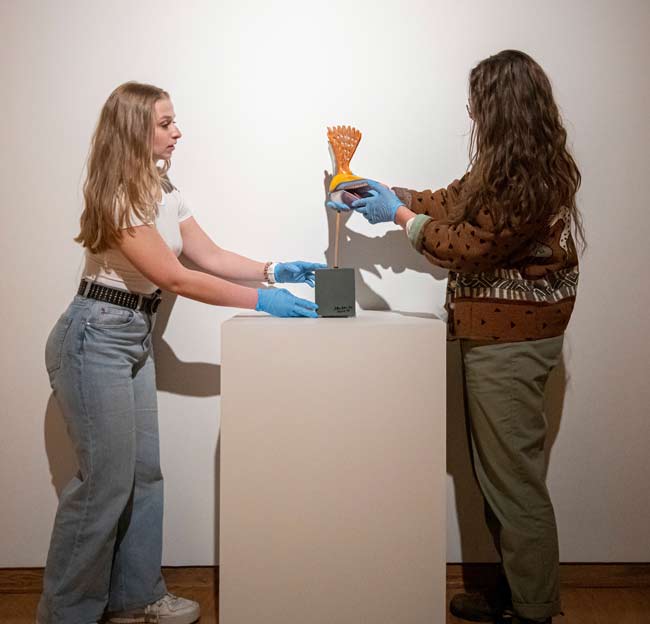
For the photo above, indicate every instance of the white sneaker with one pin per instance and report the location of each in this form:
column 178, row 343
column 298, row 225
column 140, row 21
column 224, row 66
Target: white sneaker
column 169, row 609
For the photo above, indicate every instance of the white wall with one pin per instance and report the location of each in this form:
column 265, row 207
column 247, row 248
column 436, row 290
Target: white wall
column 254, row 85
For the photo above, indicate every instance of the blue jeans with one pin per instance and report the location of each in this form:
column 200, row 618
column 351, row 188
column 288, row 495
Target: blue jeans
column 106, row 545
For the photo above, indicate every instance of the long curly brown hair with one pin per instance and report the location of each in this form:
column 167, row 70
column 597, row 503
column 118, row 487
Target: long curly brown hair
column 520, row 168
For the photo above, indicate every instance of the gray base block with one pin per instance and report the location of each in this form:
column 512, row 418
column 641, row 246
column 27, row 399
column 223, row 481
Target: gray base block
column 335, row 295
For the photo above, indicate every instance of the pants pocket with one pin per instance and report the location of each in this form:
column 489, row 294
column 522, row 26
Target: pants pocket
column 54, row 345
column 109, row 315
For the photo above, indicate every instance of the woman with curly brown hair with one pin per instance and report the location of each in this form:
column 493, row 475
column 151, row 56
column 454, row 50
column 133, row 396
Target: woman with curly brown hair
column 504, row 231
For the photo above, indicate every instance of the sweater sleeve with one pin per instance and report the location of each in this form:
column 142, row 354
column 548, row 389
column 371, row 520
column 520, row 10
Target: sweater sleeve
column 471, row 247
column 435, row 204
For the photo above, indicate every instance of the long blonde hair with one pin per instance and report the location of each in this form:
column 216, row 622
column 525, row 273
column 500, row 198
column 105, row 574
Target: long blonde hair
column 122, row 178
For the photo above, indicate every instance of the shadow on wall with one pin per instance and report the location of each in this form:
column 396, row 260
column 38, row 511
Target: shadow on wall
column 367, row 253
column 217, row 507
column 475, row 539
column 58, row 447
column 201, row 379
column 393, row 251
column 198, row 379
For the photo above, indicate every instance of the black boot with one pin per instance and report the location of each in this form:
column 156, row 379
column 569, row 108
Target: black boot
column 477, row 607
column 489, row 605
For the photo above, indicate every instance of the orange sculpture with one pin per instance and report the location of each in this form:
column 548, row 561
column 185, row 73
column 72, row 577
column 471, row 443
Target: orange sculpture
column 343, row 141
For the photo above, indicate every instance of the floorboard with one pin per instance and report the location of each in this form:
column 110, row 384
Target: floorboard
column 591, row 593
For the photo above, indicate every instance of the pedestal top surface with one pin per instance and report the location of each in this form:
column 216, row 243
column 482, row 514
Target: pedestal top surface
column 364, row 318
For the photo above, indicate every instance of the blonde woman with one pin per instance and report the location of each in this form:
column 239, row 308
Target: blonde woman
column 105, row 552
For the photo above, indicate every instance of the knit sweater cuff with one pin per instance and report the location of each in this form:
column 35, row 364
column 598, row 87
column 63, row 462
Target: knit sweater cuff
column 404, row 195
column 416, row 233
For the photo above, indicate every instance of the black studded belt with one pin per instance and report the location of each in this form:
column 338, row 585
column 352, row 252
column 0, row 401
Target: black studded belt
column 119, row 297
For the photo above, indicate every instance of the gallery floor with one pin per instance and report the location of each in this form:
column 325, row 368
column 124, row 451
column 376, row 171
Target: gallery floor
column 591, row 593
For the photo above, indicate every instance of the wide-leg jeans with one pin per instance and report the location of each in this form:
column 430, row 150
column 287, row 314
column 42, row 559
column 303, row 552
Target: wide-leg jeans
column 106, row 546
column 504, row 386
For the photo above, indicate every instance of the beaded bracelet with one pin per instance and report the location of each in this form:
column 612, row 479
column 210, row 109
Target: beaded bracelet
column 269, row 272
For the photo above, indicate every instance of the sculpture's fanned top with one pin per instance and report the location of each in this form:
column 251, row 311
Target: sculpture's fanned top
column 343, row 141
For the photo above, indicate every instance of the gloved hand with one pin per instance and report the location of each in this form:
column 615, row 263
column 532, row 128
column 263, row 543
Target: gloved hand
column 344, row 194
column 380, row 206
column 335, row 205
column 297, row 272
column 280, row 302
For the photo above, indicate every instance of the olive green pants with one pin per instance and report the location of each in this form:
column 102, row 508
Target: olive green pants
column 504, row 393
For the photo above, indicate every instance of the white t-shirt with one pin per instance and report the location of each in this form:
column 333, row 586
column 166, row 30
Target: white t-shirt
column 111, row 267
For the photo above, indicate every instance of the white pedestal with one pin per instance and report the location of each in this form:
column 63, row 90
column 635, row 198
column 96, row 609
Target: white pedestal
column 333, row 472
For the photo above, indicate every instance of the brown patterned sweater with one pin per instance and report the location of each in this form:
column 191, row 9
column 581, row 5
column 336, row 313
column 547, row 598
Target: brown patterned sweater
column 507, row 287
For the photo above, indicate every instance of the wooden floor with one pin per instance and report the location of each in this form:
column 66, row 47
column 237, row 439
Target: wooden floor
column 591, row 594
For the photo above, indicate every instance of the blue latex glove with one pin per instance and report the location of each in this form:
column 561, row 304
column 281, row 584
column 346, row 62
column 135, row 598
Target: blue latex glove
column 344, row 194
column 334, row 205
column 380, row 206
column 297, row 272
column 280, row 302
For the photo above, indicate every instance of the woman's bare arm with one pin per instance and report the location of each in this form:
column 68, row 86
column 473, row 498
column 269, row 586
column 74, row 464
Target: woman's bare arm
column 147, row 251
